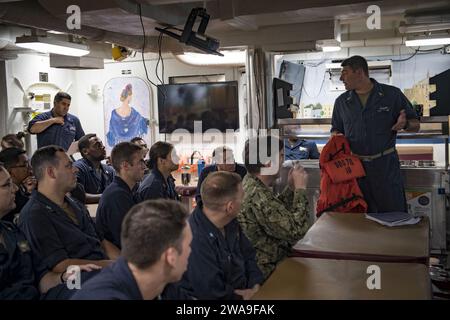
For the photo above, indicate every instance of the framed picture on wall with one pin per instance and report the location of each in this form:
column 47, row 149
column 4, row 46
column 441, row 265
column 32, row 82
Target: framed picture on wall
column 126, row 107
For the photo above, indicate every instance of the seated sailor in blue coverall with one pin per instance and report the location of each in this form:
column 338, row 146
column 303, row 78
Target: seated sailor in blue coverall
column 297, row 149
column 222, row 264
column 58, row 228
column 156, row 240
column 17, row 277
column 93, row 175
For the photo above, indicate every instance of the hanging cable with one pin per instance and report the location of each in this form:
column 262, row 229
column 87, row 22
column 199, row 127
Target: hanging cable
column 406, row 59
column 163, row 95
column 159, row 59
column 143, row 46
column 320, row 90
column 313, row 65
column 431, row 50
column 161, row 80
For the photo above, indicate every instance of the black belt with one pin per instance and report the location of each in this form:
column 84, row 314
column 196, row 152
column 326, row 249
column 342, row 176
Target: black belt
column 375, row 156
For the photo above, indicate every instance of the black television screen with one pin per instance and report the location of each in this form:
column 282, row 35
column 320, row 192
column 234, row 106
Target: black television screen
column 214, row 103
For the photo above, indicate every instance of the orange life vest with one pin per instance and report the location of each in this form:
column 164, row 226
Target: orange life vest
column 339, row 169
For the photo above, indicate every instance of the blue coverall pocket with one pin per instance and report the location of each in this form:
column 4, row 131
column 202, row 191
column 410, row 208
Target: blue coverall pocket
column 383, row 121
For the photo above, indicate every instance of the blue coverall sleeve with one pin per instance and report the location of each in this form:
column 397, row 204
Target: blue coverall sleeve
column 39, row 117
column 151, row 192
column 205, row 276
column 110, row 216
column 403, row 103
column 336, row 120
column 44, row 240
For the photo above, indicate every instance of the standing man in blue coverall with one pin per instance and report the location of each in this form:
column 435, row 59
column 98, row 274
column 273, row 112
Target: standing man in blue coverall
column 370, row 114
column 57, row 126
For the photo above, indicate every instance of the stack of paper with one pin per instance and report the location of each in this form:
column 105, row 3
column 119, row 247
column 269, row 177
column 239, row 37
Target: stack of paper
column 393, row 219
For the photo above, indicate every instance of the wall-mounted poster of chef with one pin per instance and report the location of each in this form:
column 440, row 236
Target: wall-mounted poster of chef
column 126, row 105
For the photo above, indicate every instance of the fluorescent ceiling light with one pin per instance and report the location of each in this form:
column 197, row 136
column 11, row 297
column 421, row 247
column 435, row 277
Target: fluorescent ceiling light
column 427, row 42
column 331, row 49
column 199, row 59
column 415, row 28
column 49, row 45
column 55, row 32
column 331, row 45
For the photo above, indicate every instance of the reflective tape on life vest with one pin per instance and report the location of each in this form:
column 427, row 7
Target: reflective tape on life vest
column 344, row 168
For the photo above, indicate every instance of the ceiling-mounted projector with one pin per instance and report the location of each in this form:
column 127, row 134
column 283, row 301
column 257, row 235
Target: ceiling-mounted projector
column 196, row 39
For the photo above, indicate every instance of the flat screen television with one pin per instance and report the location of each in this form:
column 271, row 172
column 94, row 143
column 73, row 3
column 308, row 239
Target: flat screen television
column 214, row 103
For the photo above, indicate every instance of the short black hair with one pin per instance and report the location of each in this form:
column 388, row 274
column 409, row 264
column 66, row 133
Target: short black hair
column 43, row 157
column 159, row 149
column 220, row 151
column 150, row 228
column 137, row 139
column 253, row 153
column 219, row 187
column 10, row 157
column 61, row 95
column 123, row 151
column 355, row 63
column 83, row 143
column 14, row 139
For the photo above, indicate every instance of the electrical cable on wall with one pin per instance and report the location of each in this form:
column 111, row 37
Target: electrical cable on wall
column 312, row 65
column 432, row 50
column 143, row 46
column 145, row 67
column 417, row 51
column 303, row 89
column 160, row 59
column 406, row 59
column 320, row 90
column 161, row 80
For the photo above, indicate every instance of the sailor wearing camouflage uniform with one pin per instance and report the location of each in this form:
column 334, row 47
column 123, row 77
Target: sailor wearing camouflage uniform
column 273, row 223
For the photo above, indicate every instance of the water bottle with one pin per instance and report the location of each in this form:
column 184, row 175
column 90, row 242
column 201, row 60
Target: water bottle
column 200, row 166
